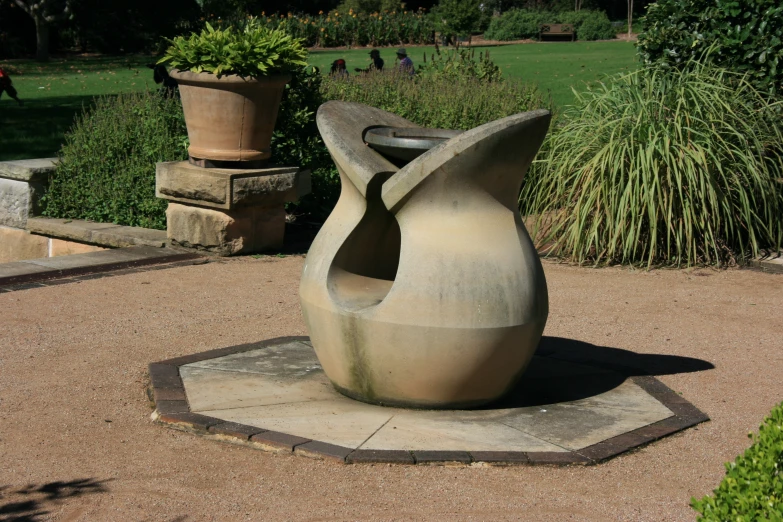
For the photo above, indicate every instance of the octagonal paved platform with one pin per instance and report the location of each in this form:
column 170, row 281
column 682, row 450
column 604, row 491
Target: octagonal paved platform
column 274, row 395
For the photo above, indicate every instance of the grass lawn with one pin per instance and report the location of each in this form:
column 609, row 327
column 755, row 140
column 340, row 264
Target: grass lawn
column 554, row 66
column 56, row 91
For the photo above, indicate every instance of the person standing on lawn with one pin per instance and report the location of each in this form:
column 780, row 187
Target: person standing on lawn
column 406, row 64
column 6, row 85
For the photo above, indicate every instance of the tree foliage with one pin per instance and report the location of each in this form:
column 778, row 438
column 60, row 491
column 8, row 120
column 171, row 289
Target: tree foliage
column 44, row 13
column 743, row 35
column 457, row 17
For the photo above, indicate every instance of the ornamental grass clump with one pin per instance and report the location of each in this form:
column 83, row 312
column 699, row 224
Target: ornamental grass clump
column 654, row 168
column 252, row 50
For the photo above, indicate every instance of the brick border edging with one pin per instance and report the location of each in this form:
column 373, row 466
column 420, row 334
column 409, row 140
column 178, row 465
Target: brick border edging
column 172, row 410
column 70, row 275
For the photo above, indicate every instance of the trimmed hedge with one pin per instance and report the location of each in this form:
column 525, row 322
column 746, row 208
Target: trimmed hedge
column 520, row 24
column 743, row 35
column 752, row 490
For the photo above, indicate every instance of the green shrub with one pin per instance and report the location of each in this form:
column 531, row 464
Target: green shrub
column 296, row 141
column 589, row 25
column 519, row 24
column 451, row 102
column 752, row 489
column 455, row 99
column 747, row 34
column 249, row 51
column 460, row 63
column 656, row 168
column 457, row 17
column 106, row 171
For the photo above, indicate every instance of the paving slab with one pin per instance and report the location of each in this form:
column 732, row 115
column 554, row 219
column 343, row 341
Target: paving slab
column 341, row 422
column 278, row 387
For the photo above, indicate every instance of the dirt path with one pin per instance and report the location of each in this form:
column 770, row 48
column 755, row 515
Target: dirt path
column 77, row 443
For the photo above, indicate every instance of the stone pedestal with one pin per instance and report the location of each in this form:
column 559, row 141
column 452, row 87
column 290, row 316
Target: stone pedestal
column 22, row 183
column 228, row 211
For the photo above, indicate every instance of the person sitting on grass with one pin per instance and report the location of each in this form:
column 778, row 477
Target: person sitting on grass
column 6, row 85
column 406, row 64
column 376, row 65
column 338, row 69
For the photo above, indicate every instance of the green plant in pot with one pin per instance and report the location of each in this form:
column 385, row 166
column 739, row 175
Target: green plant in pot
column 231, row 81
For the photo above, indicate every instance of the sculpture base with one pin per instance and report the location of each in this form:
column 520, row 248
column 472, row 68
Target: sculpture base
column 576, row 405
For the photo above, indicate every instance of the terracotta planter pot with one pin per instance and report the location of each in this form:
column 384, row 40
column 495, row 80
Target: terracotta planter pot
column 230, row 118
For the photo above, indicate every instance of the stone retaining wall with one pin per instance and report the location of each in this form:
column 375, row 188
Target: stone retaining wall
column 24, row 236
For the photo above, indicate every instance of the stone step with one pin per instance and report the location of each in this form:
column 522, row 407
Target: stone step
column 102, row 234
column 82, row 264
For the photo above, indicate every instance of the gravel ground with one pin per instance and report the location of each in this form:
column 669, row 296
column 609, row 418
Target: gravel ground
column 77, row 442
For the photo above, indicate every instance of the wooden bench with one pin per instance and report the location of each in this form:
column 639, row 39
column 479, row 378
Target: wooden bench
column 557, row 30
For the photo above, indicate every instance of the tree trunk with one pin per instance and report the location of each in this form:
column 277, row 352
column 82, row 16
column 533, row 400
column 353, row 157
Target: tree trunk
column 41, row 40
column 630, row 17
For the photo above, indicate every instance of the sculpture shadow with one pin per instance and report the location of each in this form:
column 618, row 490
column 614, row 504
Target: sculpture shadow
column 32, row 502
column 566, row 370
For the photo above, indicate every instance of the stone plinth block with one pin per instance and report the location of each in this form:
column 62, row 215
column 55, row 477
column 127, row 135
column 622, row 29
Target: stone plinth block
column 17, row 201
column 228, row 211
column 226, row 232
column 27, row 170
column 423, row 288
column 230, row 188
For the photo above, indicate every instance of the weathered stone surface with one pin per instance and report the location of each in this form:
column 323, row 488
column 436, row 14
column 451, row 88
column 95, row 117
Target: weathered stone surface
column 27, row 170
column 769, row 261
column 66, row 228
column 228, row 232
column 60, row 247
column 102, row 234
column 181, row 181
column 274, row 187
column 119, row 237
column 109, row 257
column 19, row 245
column 226, row 189
column 17, row 202
column 10, row 271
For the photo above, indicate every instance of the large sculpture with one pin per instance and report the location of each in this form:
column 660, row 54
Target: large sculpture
column 423, row 288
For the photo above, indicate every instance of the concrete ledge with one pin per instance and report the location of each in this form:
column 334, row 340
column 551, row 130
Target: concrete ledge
column 769, row 262
column 27, row 170
column 102, row 234
column 85, row 264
